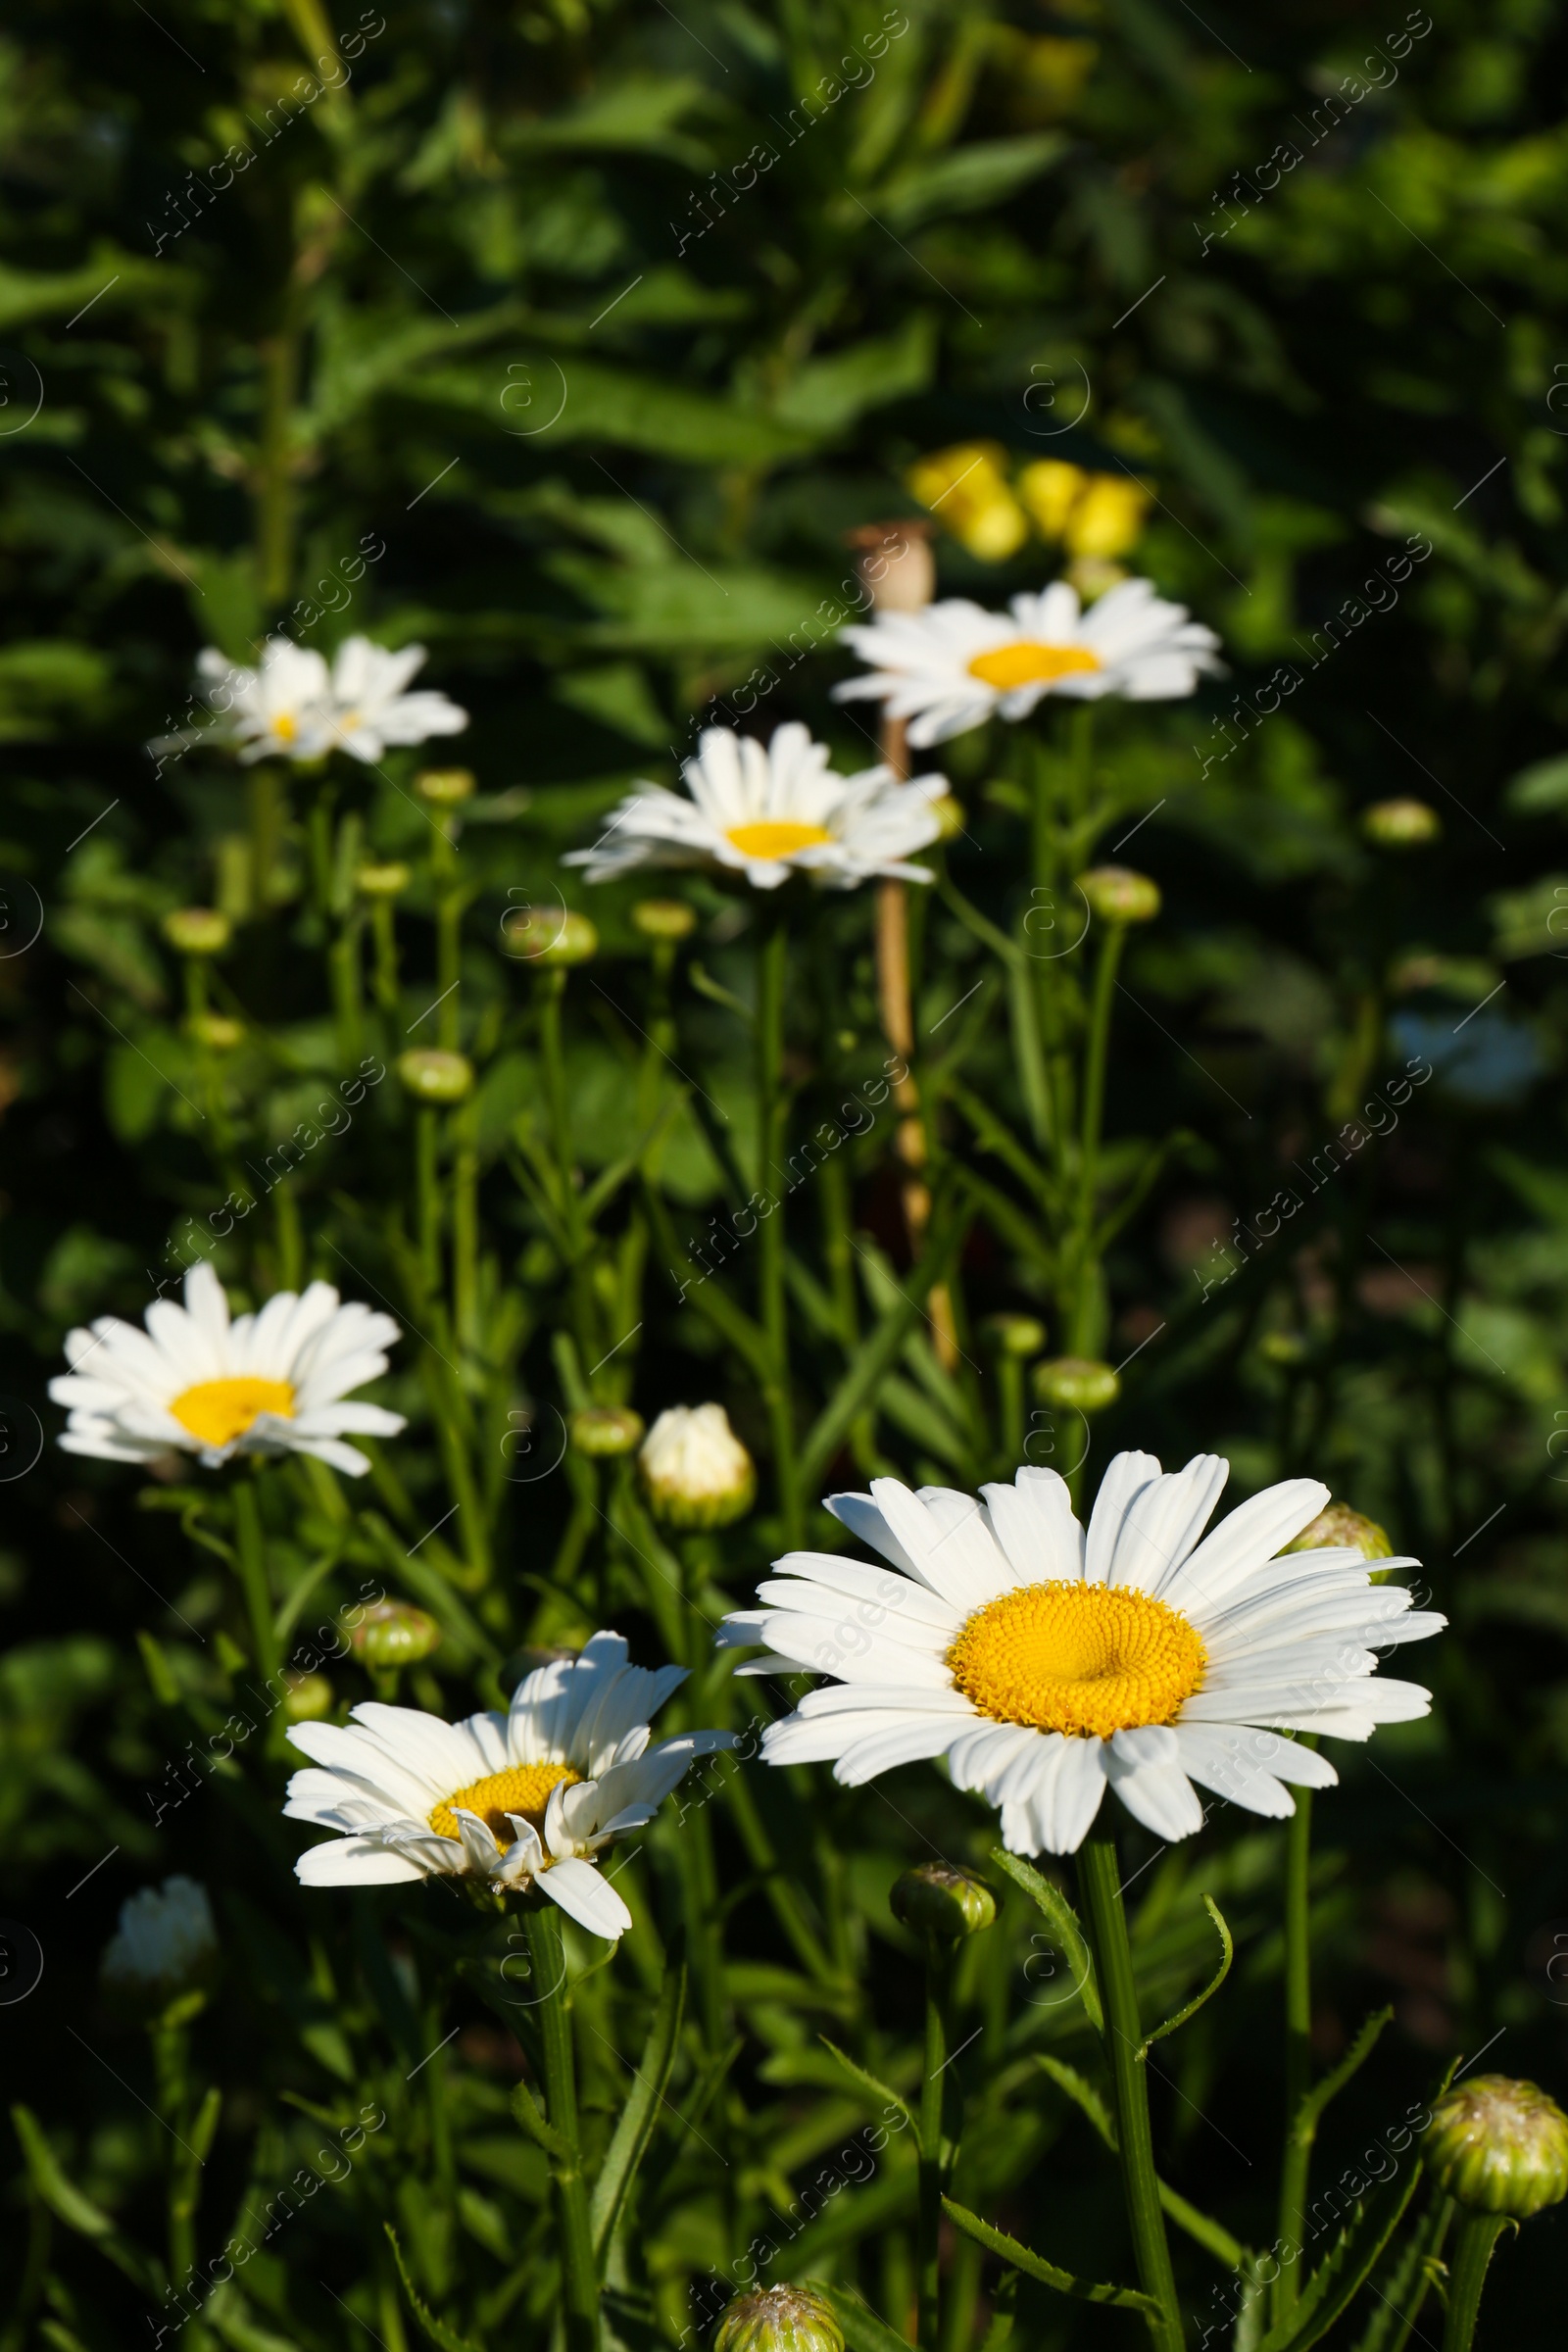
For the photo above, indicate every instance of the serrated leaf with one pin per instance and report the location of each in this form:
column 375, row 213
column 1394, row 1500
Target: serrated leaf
column 1192, row 2007
column 1064, row 1919
column 437, row 2329
column 867, row 2082
column 1035, row 2266
column 864, row 2332
column 635, row 2125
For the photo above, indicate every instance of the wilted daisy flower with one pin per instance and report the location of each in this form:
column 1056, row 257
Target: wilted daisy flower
column 532, row 1797
column 770, row 811
column 697, row 1471
column 276, row 1382
column 166, row 1942
column 952, row 665
column 1043, row 1664
column 292, row 707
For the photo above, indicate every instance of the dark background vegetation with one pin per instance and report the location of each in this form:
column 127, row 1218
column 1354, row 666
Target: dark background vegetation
column 368, row 334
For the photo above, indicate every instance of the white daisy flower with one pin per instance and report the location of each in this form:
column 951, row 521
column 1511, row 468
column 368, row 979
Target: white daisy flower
column 531, row 1797
column 370, row 710
column 271, row 1383
column 167, row 1940
column 282, row 709
column 770, row 811
column 1045, row 1664
column 950, row 666
column 293, row 708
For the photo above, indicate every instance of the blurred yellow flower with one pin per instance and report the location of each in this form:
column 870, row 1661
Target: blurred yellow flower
column 1051, row 489
column 967, row 488
column 1109, row 519
column 1097, row 515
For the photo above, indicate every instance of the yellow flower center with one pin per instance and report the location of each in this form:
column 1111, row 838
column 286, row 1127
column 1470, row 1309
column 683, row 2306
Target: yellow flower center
column 1028, row 663
column 768, row 839
column 218, row 1411
column 285, row 726
column 1080, row 1658
column 522, row 1788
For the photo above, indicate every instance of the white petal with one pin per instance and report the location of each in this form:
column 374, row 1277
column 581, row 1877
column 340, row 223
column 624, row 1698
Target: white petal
column 1241, row 1543
column 353, row 1862
column 586, row 1897
column 1125, row 1479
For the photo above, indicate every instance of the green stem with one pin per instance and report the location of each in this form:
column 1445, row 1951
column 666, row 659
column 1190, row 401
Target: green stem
column 250, row 1547
column 427, row 1191
column 348, row 990
column 1479, row 2232
column 1100, row 1881
column 579, row 2275
column 265, row 795
column 1294, row 2167
column 383, row 927
column 772, row 1112
column 935, row 2150
column 1097, row 1052
column 466, row 1226
column 276, row 495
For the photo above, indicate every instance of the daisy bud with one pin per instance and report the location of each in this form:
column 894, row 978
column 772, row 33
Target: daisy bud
column 1400, row 824
column 1077, row 1383
column 939, row 1899
column 779, row 2319
column 307, row 1697
column 444, row 786
column 606, row 1428
column 431, row 1075
column 1338, row 1524
column 1499, row 2146
column 215, row 1031
column 549, row 935
column 896, row 565
column 951, row 815
column 663, row 919
column 1118, row 895
column 393, row 1633
column 696, row 1470
column 381, row 881
column 198, row 930
column 166, row 1944
column 1021, row 1336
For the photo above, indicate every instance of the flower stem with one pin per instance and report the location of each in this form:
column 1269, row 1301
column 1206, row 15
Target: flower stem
column 249, row 1545
column 1087, row 1311
column 578, row 2272
column 936, row 2152
column 772, row 973
column 428, row 1190
column 1297, row 2157
column 1099, row 1879
column 1479, row 2232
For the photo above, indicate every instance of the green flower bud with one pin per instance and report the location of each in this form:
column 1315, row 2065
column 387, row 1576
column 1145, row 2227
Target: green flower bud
column 1077, row 1383
column 1338, row 1524
column 198, row 930
column 381, row 881
column 695, row 1468
column 307, row 1697
column 1401, row 825
column 549, row 935
column 444, row 786
column 606, row 1428
column 393, row 1633
column 215, row 1031
column 779, row 2319
column 1022, row 1336
column 1499, row 2146
column 939, row 1899
column 431, row 1075
column 950, row 814
column 1118, row 895
column 663, row 919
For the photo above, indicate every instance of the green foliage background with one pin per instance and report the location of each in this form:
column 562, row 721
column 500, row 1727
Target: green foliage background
column 611, row 416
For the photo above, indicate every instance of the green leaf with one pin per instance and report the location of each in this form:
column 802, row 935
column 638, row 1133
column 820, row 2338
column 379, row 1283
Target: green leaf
column 1192, row 2007
column 1035, row 2266
column 875, row 2089
column 531, row 2114
column 969, row 180
column 1340, row 2278
column 827, row 395
column 437, row 2329
column 1542, row 786
column 67, row 2203
column 1063, row 1919
column 1310, row 2114
column 864, row 2332
column 633, row 2130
